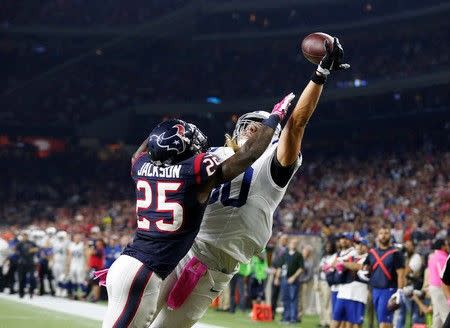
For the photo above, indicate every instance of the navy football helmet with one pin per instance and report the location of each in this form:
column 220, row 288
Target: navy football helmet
column 173, row 141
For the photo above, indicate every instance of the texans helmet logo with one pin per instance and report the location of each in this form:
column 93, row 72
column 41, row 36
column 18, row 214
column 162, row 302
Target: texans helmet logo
column 176, row 141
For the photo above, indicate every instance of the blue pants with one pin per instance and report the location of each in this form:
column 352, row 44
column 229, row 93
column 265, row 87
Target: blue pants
column 290, row 300
column 405, row 307
column 349, row 311
column 333, row 300
column 381, row 297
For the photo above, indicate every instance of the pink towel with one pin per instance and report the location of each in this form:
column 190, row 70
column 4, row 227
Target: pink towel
column 186, row 283
column 101, row 276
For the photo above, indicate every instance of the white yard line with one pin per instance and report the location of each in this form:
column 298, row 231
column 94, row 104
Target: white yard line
column 81, row 309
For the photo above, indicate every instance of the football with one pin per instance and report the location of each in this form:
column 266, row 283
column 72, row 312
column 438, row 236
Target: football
column 313, row 46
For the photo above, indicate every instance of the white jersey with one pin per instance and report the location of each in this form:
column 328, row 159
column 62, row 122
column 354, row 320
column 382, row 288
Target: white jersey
column 4, row 251
column 355, row 290
column 77, row 253
column 60, row 251
column 239, row 217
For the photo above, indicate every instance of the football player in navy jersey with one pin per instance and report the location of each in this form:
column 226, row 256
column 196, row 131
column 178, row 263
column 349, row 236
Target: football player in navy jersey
column 174, row 177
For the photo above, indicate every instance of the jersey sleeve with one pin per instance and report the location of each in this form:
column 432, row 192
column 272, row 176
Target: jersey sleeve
column 205, row 164
column 399, row 260
column 267, row 172
column 134, row 162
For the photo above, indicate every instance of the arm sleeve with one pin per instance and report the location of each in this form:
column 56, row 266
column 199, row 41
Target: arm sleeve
column 134, row 161
column 281, row 174
column 205, row 164
column 301, row 263
column 399, row 260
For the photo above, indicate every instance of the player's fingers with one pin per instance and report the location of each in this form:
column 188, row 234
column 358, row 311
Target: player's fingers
column 327, row 46
column 344, row 66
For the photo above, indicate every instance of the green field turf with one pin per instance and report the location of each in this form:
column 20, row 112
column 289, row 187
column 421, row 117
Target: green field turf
column 15, row 315
column 242, row 320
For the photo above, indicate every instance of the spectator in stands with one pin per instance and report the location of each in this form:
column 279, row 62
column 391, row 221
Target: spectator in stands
column 26, row 252
column 436, row 265
column 387, row 266
column 292, row 266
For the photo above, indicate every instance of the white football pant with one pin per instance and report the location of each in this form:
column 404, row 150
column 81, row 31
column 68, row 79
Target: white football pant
column 132, row 294
column 210, row 286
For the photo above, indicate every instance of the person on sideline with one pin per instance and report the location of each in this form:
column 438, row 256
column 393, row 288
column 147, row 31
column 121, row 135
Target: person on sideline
column 387, row 266
column 436, row 265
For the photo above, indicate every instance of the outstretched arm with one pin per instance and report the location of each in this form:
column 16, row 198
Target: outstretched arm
column 253, row 148
column 291, row 137
column 142, row 148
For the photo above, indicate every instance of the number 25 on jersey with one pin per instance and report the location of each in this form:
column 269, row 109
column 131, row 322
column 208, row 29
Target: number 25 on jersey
column 171, row 211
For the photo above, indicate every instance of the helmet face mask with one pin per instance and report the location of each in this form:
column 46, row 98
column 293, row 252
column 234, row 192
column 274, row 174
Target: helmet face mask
column 173, row 141
column 240, row 133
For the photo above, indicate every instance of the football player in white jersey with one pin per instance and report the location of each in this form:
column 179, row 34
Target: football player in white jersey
column 77, row 260
column 238, row 221
column 59, row 267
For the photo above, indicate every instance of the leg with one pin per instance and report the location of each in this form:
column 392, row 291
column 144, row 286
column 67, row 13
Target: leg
column 400, row 316
column 41, row 279
column 233, row 283
column 440, row 307
column 2, row 279
column 286, row 300
column 295, row 287
column 12, row 276
column 274, row 298
column 197, row 303
column 132, row 294
column 22, row 280
column 242, row 292
column 32, row 280
column 50, row 281
column 383, row 315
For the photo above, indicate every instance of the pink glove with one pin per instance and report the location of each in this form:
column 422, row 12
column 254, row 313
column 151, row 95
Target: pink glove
column 281, row 108
column 340, row 267
column 326, row 267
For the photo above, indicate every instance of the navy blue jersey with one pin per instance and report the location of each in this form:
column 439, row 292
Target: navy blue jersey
column 385, row 275
column 168, row 212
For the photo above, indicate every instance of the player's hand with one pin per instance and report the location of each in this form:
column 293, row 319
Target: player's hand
column 332, row 61
column 280, row 109
column 276, row 282
column 291, row 280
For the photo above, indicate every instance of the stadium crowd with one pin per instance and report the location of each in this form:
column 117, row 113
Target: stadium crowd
column 74, row 217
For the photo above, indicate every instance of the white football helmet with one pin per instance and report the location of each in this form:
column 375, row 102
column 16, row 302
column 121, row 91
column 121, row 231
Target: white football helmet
column 61, row 235
column 51, row 231
column 245, row 120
